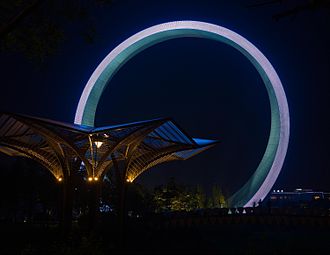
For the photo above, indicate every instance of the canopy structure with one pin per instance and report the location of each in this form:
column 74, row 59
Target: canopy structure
column 65, row 149
column 59, row 146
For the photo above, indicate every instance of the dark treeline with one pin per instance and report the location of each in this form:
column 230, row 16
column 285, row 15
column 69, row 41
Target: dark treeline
column 38, row 28
column 179, row 197
column 170, row 219
column 30, row 193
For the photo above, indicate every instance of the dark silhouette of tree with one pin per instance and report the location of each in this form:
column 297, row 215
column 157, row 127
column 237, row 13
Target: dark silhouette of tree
column 218, row 199
column 200, row 197
column 36, row 28
column 175, row 197
column 139, row 200
column 29, row 192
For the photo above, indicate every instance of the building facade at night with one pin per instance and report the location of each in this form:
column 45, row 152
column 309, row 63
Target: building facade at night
column 299, row 198
column 299, row 201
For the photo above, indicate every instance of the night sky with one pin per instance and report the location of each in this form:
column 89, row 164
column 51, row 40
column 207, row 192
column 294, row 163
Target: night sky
column 209, row 88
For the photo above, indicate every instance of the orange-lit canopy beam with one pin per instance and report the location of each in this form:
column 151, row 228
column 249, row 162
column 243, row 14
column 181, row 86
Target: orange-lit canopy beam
column 64, row 148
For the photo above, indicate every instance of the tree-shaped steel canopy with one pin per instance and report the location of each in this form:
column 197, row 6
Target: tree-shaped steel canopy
column 56, row 145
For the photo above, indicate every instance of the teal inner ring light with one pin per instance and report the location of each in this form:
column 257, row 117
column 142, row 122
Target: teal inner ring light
column 262, row 180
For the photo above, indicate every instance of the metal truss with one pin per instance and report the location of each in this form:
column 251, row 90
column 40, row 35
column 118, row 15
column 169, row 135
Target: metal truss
column 58, row 145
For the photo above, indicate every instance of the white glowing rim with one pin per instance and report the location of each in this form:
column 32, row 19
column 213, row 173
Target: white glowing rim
column 279, row 137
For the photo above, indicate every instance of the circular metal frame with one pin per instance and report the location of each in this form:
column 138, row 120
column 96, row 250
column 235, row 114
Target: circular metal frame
column 261, row 182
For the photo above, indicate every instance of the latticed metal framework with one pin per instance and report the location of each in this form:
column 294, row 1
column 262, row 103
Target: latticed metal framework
column 63, row 148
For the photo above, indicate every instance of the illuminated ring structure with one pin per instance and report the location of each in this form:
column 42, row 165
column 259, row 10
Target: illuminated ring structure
column 262, row 180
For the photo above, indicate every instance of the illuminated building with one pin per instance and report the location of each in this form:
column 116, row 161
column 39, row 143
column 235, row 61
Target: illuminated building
column 299, row 198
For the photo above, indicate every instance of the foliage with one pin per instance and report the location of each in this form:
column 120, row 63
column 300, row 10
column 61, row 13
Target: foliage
column 37, row 28
column 139, row 199
column 218, row 199
column 32, row 195
column 175, row 197
column 30, row 191
column 200, row 197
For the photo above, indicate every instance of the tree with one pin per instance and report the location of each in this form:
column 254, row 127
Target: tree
column 174, row 197
column 139, row 199
column 36, row 28
column 218, row 199
column 27, row 186
column 200, row 197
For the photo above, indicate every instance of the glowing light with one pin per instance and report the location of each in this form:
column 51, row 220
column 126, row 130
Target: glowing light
column 90, row 179
column 96, row 178
column 261, row 182
column 98, row 144
column 60, row 179
column 129, row 180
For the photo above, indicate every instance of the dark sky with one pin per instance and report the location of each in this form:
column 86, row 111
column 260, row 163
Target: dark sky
column 209, row 88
